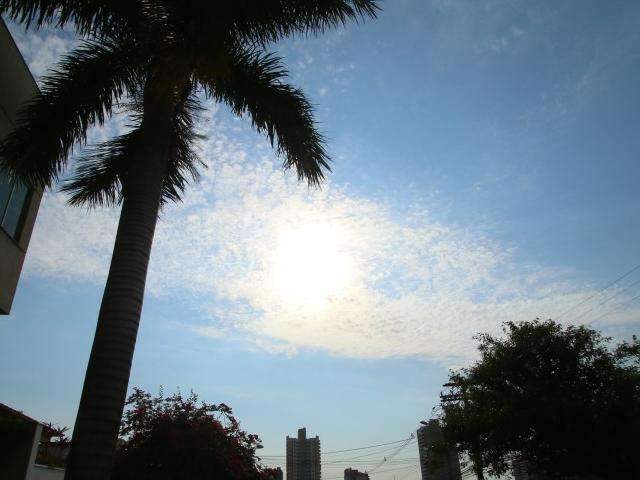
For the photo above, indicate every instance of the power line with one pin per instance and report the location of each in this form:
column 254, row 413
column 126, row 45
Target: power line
column 369, row 446
column 366, row 455
column 598, row 292
column 273, row 458
column 365, row 462
column 616, row 308
column 606, row 300
column 392, row 455
column 400, row 462
column 386, row 460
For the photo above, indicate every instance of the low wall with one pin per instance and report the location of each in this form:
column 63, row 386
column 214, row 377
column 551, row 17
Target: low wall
column 43, row 472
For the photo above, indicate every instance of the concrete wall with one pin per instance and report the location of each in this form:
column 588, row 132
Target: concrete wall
column 16, row 87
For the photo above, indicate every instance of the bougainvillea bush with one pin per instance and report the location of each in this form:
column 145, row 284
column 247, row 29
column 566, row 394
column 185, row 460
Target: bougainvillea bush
column 179, row 437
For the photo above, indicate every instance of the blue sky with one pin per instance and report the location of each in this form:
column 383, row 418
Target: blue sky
column 485, row 169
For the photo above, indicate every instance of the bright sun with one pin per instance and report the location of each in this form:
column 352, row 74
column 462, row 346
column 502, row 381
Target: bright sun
column 311, row 266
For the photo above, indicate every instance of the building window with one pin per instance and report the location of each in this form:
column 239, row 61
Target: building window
column 13, row 200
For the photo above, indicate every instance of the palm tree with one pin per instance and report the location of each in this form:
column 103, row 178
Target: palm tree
column 154, row 59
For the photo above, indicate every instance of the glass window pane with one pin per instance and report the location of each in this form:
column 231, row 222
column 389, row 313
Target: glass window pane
column 13, row 213
column 5, row 192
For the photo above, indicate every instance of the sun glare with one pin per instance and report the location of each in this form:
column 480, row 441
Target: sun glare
column 311, row 266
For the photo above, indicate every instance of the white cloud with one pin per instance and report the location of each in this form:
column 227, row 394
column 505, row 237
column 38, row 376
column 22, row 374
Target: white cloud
column 410, row 286
column 209, row 331
column 71, row 243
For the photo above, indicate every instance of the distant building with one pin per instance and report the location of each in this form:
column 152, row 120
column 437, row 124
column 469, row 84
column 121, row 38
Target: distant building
column 303, row 457
column 277, row 474
column 18, row 204
column 436, row 465
column 353, row 474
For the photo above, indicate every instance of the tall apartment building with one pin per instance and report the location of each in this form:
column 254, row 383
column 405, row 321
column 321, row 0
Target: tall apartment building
column 436, row 465
column 353, row 474
column 303, row 457
column 18, row 204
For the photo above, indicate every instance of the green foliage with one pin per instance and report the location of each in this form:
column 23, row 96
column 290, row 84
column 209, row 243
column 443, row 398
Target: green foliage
column 557, row 397
column 177, row 437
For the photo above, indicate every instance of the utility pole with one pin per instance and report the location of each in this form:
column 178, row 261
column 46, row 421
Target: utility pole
column 476, row 451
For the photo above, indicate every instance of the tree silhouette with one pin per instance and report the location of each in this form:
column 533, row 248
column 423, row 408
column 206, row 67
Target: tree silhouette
column 179, row 437
column 555, row 397
column 152, row 58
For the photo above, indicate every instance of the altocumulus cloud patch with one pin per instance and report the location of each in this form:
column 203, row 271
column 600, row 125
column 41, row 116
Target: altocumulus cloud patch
column 285, row 267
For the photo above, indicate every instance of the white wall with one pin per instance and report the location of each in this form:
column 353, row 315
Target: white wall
column 42, row 472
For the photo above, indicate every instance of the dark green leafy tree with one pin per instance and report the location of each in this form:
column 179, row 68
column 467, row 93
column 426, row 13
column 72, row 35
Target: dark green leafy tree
column 178, row 437
column 152, row 59
column 558, row 398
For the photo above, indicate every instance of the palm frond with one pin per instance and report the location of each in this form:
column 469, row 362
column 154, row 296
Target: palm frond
column 98, row 178
column 78, row 93
column 264, row 21
column 271, row 20
column 252, row 83
column 88, row 17
column 183, row 158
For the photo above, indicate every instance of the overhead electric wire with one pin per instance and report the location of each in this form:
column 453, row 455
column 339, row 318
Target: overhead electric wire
column 370, row 446
column 392, row 455
column 371, row 454
column 365, row 462
column 390, row 461
column 388, row 470
column 624, row 303
column 615, row 294
column 349, row 449
column 621, row 277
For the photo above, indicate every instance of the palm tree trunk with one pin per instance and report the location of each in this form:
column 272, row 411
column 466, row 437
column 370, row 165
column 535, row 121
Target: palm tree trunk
column 105, row 386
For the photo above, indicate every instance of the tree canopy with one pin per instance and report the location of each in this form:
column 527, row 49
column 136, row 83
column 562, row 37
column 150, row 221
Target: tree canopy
column 558, row 397
column 178, row 437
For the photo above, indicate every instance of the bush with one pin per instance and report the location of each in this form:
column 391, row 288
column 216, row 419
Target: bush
column 180, row 438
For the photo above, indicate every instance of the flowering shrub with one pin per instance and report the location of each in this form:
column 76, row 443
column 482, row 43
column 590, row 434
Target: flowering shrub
column 179, row 437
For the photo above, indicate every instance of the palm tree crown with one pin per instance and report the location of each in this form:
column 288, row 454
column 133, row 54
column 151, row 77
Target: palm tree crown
column 154, row 59
column 135, row 52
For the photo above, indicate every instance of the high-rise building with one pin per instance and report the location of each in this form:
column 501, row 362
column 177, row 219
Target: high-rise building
column 18, row 204
column 353, row 474
column 436, row 463
column 303, row 457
